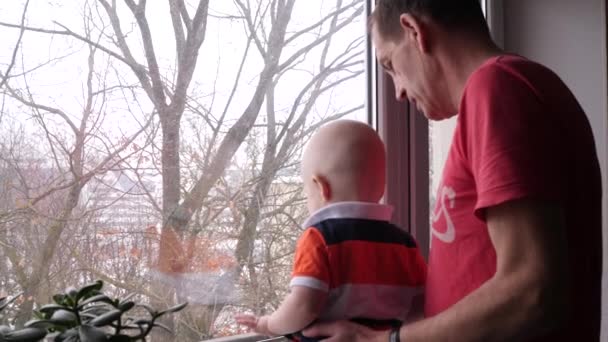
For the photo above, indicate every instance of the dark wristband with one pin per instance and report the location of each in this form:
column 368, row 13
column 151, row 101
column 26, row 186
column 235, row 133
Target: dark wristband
column 394, row 335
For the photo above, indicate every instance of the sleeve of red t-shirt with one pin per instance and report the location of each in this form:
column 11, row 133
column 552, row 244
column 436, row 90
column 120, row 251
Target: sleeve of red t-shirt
column 311, row 264
column 510, row 142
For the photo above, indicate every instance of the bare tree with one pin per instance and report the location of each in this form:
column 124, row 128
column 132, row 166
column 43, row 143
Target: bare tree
column 196, row 194
column 69, row 157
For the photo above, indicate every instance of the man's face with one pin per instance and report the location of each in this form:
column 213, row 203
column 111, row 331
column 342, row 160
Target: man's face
column 412, row 72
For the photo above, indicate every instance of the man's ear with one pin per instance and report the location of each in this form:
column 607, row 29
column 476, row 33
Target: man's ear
column 415, row 29
column 323, row 187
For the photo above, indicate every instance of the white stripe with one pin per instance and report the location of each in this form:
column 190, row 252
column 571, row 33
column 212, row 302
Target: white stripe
column 355, row 210
column 309, row 282
column 370, row 301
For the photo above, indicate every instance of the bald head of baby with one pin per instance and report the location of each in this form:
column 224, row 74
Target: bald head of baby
column 344, row 161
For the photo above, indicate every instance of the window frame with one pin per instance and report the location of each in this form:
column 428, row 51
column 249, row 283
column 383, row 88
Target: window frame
column 405, row 132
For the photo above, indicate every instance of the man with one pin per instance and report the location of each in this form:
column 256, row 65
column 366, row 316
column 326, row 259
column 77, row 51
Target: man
column 518, row 254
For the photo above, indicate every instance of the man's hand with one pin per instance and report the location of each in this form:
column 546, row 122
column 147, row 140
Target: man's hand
column 255, row 323
column 345, row 331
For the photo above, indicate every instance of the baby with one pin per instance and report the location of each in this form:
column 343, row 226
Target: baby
column 350, row 262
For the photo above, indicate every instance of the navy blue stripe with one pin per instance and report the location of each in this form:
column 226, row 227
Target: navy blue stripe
column 336, row 231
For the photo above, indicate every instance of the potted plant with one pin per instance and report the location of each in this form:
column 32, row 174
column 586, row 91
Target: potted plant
column 86, row 315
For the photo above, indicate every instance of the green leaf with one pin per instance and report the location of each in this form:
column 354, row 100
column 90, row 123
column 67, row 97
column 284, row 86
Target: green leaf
column 106, row 318
column 88, row 333
column 87, row 316
column 120, row 338
column 72, row 292
column 58, row 328
column 173, row 309
column 50, row 308
column 25, row 335
column 89, row 290
column 39, row 315
column 5, row 329
column 98, row 308
column 126, row 306
column 38, row 323
column 92, row 315
column 63, row 317
column 68, row 335
column 60, row 299
column 94, row 299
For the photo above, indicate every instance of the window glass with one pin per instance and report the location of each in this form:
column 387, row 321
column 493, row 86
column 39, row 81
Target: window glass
column 440, row 139
column 156, row 145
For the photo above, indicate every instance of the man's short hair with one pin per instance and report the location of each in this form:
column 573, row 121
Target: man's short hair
column 464, row 15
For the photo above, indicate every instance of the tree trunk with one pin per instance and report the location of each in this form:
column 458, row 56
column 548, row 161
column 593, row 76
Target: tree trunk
column 43, row 264
column 171, row 262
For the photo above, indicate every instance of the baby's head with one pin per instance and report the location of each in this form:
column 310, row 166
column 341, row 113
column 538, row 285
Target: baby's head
column 344, row 161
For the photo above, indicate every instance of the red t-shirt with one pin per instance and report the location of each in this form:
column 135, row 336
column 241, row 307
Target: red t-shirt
column 520, row 134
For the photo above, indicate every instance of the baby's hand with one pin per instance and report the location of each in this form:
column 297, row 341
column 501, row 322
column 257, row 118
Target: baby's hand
column 257, row 324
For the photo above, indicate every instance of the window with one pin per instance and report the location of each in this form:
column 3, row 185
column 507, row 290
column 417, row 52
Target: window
column 441, row 132
column 440, row 139
column 155, row 145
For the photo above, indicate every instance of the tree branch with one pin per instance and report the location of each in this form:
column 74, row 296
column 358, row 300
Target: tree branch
column 139, row 12
column 184, row 14
column 178, row 28
column 67, row 32
column 14, row 56
column 333, row 15
column 321, row 39
column 251, row 26
column 32, row 104
column 187, row 64
column 138, row 69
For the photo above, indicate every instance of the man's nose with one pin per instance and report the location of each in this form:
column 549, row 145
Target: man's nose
column 400, row 93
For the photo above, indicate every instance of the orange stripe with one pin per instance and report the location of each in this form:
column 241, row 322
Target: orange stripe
column 364, row 262
column 311, row 258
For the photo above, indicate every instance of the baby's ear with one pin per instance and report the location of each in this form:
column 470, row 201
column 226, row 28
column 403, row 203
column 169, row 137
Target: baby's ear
column 323, row 187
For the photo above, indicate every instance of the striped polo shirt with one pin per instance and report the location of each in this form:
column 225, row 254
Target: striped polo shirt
column 370, row 268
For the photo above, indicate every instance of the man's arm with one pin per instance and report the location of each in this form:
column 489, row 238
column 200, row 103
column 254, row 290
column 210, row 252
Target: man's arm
column 527, row 295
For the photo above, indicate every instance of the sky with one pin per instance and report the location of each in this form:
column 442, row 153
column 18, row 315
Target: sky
column 223, row 46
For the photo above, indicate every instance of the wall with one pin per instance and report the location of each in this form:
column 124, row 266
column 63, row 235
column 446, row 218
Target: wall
column 569, row 37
